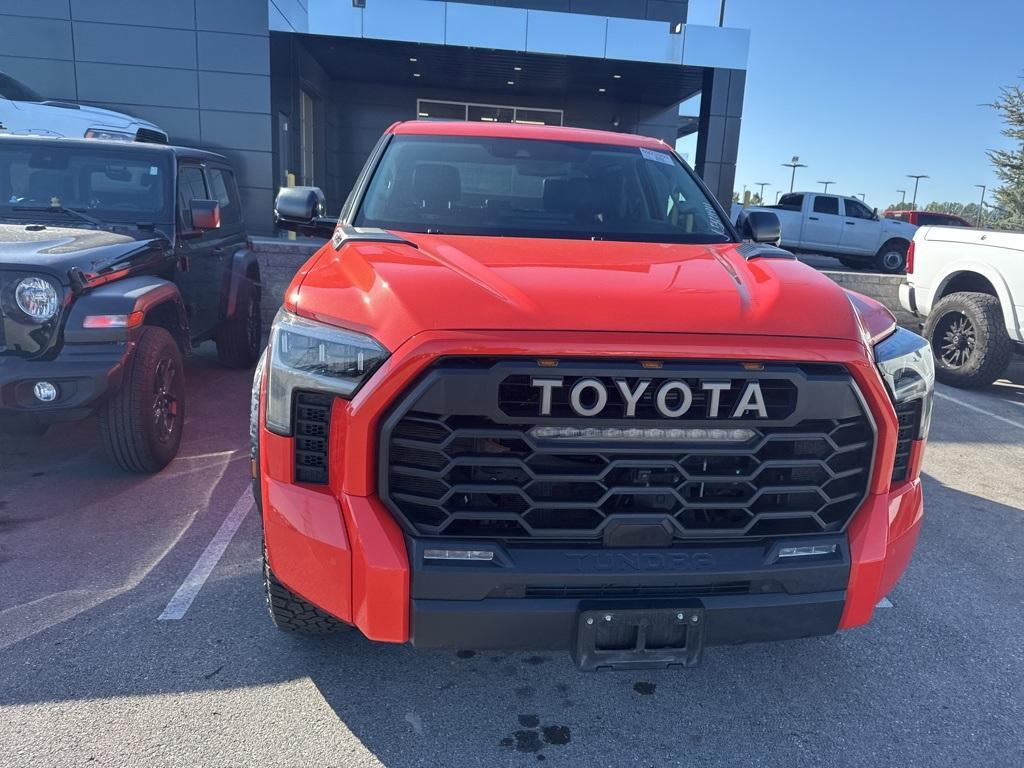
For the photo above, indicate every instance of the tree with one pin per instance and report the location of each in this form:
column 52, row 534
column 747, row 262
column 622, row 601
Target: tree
column 901, row 207
column 1008, row 208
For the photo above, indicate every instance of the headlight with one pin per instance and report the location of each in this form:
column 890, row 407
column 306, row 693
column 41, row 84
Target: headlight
column 109, row 134
column 906, row 364
column 306, row 355
column 37, row 298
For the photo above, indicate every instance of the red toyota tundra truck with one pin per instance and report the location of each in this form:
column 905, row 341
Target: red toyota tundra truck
column 538, row 392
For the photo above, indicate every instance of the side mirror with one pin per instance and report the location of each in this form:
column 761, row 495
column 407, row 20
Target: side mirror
column 760, row 227
column 874, row 211
column 303, row 210
column 205, row 214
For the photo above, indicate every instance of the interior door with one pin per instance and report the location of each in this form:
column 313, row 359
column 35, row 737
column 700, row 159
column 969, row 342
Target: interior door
column 861, row 229
column 822, row 227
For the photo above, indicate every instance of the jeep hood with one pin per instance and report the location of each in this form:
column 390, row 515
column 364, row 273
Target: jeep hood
column 55, row 249
column 393, row 291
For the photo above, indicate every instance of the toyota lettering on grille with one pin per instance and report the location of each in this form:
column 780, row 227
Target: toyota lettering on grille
column 672, row 398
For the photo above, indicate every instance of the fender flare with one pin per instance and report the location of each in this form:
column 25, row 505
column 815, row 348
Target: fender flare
column 124, row 297
column 235, row 274
column 994, row 277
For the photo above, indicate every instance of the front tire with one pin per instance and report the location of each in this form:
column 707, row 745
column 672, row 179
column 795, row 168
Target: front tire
column 892, row 257
column 290, row 613
column 240, row 338
column 969, row 339
column 141, row 423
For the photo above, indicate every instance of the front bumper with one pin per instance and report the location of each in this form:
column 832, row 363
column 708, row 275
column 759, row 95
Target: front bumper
column 83, row 374
column 532, row 597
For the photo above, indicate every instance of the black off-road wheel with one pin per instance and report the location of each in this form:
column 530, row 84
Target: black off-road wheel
column 291, row 613
column 240, row 339
column 141, row 423
column 969, row 339
column 892, row 257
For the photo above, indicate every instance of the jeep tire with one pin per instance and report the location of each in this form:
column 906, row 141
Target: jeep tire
column 291, row 613
column 240, row 337
column 968, row 337
column 141, row 423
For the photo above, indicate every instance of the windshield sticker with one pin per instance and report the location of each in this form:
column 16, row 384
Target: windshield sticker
column 658, row 157
column 713, row 220
column 153, row 170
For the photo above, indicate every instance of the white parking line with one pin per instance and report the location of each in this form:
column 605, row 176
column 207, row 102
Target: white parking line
column 976, row 409
column 204, row 566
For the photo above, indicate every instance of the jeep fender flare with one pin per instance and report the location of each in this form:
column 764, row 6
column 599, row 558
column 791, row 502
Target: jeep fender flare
column 242, row 262
column 157, row 299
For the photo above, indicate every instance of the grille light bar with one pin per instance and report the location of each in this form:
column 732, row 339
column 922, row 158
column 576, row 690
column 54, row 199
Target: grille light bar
column 639, row 434
column 808, row 551
column 458, row 554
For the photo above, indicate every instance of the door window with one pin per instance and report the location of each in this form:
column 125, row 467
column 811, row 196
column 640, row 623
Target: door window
column 791, row 202
column 823, row 204
column 857, row 210
column 224, row 191
column 190, row 187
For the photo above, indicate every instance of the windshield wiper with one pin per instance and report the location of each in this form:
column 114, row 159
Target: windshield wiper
column 59, row 209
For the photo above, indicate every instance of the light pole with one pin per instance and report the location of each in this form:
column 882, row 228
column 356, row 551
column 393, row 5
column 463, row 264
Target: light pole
column 916, row 177
column 826, row 183
column 903, row 200
column 981, row 206
column 862, row 196
column 762, row 185
column 721, row 14
column 794, row 164
column 778, row 194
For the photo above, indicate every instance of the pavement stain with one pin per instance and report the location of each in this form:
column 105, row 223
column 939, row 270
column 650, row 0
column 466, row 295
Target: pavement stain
column 533, row 737
column 644, row 688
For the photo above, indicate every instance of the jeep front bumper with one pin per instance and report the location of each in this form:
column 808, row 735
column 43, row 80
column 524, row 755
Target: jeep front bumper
column 83, row 375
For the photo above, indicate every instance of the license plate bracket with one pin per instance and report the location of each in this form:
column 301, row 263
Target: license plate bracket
column 639, row 638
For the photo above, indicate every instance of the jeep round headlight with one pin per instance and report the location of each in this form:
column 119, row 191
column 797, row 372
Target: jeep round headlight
column 37, row 298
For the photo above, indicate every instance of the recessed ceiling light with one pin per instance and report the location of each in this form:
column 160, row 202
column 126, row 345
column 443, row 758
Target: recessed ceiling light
column 601, row 90
column 413, row 59
column 415, row 74
column 518, row 69
column 511, row 82
column 617, row 77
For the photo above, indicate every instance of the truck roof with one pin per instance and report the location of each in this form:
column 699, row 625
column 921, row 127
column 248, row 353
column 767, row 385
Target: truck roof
column 127, row 146
column 520, row 131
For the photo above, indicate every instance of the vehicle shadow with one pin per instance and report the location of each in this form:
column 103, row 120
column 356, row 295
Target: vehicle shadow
column 759, row 704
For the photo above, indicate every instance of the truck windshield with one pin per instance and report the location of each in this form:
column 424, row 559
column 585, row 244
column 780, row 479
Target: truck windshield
column 468, row 185
column 103, row 182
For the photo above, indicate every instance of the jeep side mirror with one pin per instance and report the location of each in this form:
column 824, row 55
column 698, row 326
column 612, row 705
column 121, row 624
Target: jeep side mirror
column 303, row 210
column 760, row 227
column 205, row 214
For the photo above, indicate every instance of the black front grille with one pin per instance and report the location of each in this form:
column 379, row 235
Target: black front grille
column 459, row 459
column 312, row 433
column 909, row 417
column 150, row 136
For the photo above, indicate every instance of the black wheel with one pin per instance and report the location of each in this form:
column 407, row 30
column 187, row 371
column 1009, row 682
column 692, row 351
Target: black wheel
column 240, row 338
column 293, row 614
column 141, row 423
column 892, row 257
column 969, row 339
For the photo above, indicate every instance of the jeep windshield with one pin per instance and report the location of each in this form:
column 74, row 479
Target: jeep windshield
column 45, row 180
column 504, row 187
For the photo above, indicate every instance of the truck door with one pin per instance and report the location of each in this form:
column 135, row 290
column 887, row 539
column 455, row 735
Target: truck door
column 822, row 223
column 861, row 231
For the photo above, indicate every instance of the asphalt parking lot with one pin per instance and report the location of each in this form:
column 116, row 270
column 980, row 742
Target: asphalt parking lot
column 90, row 559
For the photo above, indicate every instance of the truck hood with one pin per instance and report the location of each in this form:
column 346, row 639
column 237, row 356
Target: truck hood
column 56, row 250
column 393, row 291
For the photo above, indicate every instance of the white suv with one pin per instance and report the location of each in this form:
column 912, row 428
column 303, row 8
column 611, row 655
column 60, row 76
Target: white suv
column 968, row 284
column 25, row 112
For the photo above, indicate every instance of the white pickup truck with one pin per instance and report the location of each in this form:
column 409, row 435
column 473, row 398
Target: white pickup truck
column 842, row 227
column 968, row 284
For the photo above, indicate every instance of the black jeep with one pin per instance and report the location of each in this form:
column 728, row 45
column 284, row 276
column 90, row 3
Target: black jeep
column 115, row 260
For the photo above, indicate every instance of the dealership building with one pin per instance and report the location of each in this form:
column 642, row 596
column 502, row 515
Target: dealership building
column 302, row 89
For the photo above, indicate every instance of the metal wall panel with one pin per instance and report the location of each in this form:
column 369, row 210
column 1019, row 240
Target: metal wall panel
column 558, row 33
column 410, row 20
column 485, row 27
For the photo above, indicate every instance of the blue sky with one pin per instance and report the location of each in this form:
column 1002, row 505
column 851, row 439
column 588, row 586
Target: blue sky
column 867, row 91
